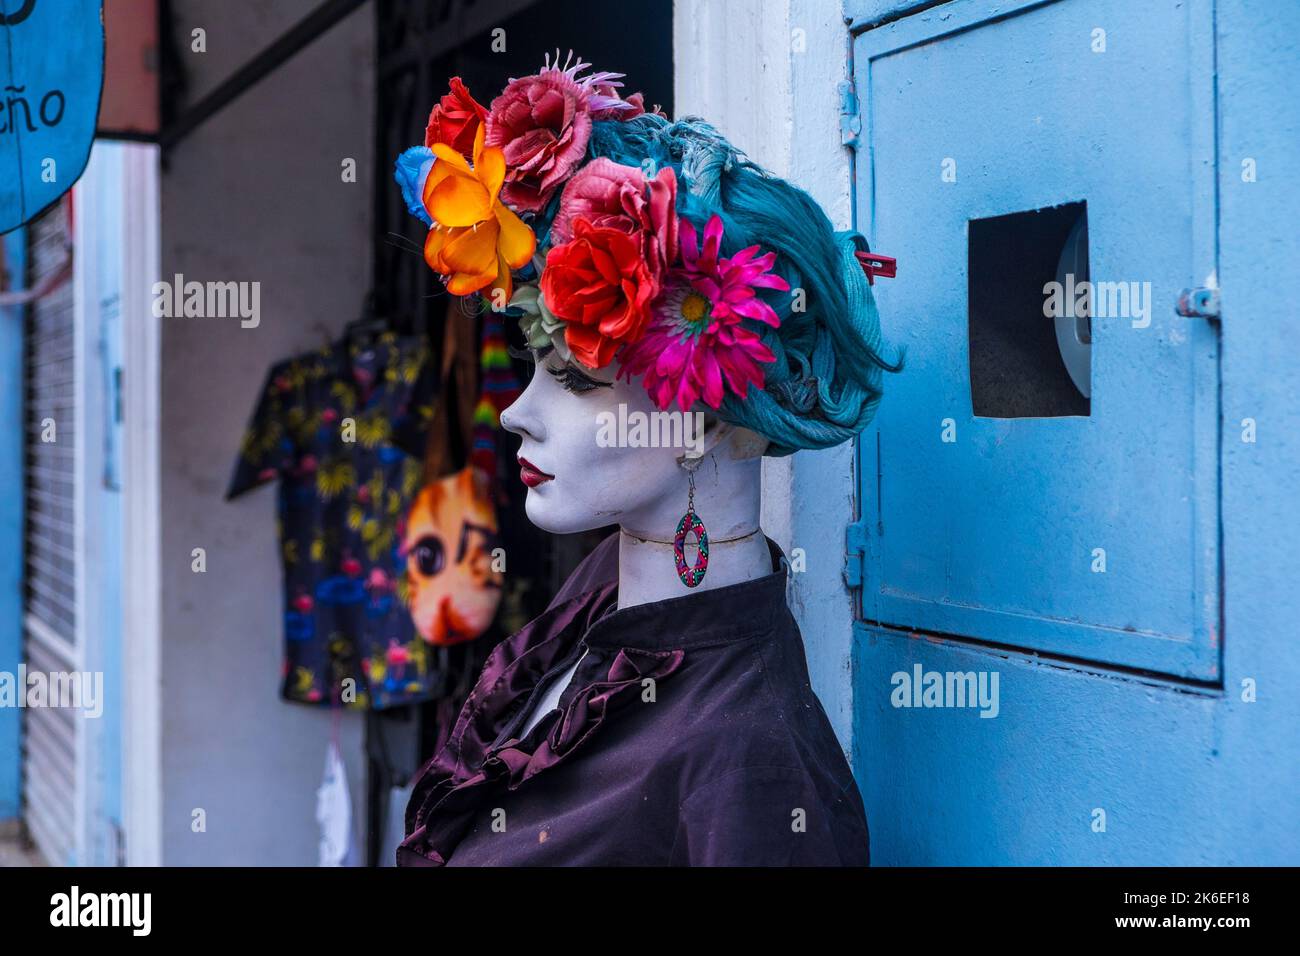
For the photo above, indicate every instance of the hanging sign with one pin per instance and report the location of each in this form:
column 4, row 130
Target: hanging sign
column 51, row 74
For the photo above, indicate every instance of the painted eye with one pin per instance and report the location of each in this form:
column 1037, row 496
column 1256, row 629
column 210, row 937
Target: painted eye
column 429, row 556
column 574, row 381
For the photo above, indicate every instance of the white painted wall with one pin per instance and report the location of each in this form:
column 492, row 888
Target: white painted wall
column 254, row 194
column 141, row 482
column 738, row 64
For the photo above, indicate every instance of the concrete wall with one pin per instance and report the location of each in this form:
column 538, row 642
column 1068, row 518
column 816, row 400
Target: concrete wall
column 253, row 194
column 752, row 70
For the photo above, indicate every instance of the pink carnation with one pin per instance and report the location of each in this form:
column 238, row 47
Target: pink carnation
column 609, row 195
column 623, row 109
column 542, row 123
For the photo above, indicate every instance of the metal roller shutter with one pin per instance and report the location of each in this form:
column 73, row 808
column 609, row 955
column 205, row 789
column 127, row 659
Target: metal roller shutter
column 51, row 737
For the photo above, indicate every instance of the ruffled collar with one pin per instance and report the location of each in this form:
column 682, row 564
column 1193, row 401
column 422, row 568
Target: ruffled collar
column 450, row 785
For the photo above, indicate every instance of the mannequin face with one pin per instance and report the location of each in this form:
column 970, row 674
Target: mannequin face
column 589, row 472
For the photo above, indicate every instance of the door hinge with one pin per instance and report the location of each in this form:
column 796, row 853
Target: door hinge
column 1200, row 303
column 855, row 548
column 850, row 116
column 119, row 844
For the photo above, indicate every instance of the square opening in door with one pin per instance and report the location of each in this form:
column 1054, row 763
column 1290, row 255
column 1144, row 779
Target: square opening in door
column 1030, row 353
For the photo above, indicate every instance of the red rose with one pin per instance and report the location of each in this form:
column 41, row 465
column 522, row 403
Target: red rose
column 602, row 287
column 455, row 120
column 606, row 193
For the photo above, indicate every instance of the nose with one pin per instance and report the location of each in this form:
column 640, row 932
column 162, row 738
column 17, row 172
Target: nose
column 520, row 418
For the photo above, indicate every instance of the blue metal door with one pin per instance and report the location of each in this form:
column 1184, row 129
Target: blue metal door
column 1089, row 536
column 1039, row 657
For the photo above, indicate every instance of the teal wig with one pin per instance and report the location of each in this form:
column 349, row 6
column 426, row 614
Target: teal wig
column 825, row 385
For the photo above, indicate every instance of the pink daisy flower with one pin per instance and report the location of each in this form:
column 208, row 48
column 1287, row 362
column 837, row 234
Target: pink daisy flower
column 696, row 342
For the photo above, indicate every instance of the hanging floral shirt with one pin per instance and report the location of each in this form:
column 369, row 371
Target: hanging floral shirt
column 343, row 431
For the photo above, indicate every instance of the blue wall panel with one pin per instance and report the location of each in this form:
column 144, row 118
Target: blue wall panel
column 11, row 520
column 1094, row 759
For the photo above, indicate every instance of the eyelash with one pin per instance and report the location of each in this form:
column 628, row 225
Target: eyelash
column 574, row 381
column 569, row 377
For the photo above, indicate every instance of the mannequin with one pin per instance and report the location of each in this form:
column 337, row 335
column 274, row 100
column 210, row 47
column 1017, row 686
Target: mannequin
column 643, row 490
column 659, row 711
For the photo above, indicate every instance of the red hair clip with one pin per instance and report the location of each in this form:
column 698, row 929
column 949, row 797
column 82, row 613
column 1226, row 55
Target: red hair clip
column 874, row 265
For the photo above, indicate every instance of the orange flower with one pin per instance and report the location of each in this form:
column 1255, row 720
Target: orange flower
column 475, row 240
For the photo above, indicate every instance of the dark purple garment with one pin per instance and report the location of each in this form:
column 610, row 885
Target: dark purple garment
column 689, row 735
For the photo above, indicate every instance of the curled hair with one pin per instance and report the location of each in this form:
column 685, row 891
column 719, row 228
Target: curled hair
column 825, row 384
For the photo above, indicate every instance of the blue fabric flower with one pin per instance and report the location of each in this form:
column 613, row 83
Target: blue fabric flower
column 410, row 171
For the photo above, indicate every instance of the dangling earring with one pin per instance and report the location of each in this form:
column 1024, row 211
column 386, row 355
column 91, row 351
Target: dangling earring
column 691, row 524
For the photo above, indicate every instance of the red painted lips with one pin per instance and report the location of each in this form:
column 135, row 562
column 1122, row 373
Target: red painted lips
column 531, row 475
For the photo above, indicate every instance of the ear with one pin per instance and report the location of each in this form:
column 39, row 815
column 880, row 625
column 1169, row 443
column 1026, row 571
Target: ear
column 747, row 443
column 714, row 432
column 737, row 443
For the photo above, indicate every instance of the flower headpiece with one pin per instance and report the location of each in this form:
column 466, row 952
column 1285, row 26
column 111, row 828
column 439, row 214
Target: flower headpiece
column 630, row 259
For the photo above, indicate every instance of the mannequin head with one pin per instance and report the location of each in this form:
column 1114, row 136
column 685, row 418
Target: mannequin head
column 607, row 455
column 665, row 282
column 662, row 277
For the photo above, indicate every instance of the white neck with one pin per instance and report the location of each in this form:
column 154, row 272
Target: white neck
column 727, row 500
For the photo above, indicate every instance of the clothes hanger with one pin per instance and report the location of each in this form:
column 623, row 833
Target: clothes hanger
column 363, row 331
